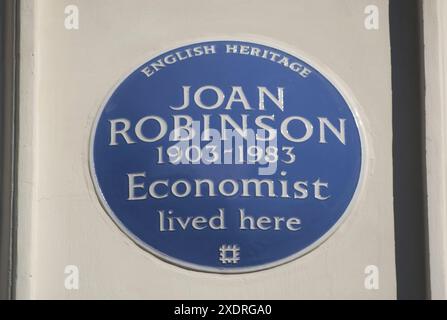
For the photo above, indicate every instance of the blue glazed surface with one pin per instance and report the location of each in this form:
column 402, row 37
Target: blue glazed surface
column 311, row 97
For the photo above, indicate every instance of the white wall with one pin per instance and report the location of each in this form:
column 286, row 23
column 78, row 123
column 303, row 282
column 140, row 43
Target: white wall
column 435, row 34
column 67, row 74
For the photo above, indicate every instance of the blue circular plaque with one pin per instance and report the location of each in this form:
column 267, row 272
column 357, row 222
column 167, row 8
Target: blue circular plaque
column 226, row 156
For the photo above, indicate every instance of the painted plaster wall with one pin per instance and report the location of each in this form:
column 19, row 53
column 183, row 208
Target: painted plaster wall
column 435, row 28
column 65, row 77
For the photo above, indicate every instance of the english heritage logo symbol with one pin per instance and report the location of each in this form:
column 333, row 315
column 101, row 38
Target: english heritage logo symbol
column 226, row 156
